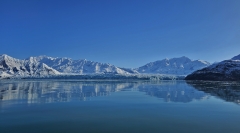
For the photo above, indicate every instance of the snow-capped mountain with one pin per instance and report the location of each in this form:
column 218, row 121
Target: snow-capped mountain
column 175, row 66
column 225, row 70
column 11, row 67
column 69, row 66
column 44, row 66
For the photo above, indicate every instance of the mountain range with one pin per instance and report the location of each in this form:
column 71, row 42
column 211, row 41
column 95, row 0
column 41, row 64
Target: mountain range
column 43, row 66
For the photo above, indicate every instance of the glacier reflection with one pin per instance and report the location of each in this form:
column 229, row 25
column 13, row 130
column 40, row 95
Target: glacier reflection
column 43, row 91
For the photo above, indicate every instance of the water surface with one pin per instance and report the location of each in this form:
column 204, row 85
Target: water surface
column 58, row 106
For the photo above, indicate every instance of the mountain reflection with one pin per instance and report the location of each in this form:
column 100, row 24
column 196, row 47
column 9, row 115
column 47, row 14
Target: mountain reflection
column 43, row 91
column 228, row 91
column 173, row 91
column 54, row 91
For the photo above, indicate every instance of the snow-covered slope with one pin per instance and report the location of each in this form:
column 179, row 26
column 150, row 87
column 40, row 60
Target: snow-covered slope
column 11, row 67
column 69, row 66
column 175, row 66
column 236, row 57
column 225, row 70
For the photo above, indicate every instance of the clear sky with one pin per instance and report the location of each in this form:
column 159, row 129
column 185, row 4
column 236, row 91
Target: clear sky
column 126, row 33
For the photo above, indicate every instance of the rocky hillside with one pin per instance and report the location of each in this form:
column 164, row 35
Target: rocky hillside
column 227, row 70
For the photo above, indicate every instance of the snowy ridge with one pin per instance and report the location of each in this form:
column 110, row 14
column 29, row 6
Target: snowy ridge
column 11, row 67
column 69, row 66
column 225, row 70
column 225, row 67
column 46, row 67
column 236, row 57
column 175, row 66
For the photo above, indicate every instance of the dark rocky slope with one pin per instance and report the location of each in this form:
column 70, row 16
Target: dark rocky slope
column 228, row 70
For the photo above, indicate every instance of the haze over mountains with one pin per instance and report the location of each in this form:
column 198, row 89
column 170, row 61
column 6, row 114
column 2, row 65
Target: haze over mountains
column 42, row 66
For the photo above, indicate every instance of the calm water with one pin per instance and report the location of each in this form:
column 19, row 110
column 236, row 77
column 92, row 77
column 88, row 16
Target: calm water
column 51, row 106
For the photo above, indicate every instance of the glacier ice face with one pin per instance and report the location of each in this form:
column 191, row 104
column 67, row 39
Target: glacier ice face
column 175, row 66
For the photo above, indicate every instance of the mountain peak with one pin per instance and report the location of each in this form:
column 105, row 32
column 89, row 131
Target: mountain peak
column 5, row 56
column 177, row 66
column 236, row 57
column 8, row 58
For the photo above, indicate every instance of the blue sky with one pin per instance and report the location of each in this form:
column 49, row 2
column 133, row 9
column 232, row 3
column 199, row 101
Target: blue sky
column 126, row 33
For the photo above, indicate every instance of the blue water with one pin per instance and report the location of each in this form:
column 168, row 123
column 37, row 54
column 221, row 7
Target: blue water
column 72, row 106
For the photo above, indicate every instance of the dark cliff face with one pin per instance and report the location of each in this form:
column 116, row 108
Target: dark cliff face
column 228, row 70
